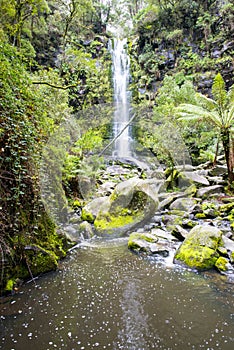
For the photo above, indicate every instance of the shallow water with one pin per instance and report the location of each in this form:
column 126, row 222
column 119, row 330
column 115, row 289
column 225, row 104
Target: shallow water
column 105, row 297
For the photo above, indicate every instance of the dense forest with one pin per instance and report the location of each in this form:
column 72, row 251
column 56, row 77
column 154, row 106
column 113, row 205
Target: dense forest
column 55, row 64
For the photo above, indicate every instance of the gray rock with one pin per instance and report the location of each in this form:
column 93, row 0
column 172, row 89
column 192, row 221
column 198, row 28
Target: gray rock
column 159, row 249
column 179, row 232
column 72, row 233
column 163, row 234
column 218, row 170
column 86, row 230
column 207, row 191
column 229, row 246
column 92, row 209
column 183, row 204
column 193, row 176
column 167, row 198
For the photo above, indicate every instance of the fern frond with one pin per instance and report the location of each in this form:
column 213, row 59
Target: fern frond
column 218, row 91
column 206, row 102
column 230, row 95
column 229, row 117
column 196, row 113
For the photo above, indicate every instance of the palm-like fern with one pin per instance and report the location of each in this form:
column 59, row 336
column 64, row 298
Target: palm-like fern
column 219, row 111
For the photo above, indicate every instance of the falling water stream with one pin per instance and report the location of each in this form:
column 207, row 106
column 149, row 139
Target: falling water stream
column 105, row 297
column 121, row 75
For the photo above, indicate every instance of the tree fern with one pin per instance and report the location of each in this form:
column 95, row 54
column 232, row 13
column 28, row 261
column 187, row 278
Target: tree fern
column 219, row 111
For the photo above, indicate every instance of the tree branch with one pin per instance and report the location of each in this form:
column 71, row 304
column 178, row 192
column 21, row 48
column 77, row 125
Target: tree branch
column 54, row 86
column 117, row 136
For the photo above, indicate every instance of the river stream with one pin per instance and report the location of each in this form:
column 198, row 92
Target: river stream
column 105, row 297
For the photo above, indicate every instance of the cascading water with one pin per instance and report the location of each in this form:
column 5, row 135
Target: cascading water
column 121, row 75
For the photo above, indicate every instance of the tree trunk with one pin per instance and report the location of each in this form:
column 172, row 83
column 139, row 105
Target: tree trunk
column 226, row 140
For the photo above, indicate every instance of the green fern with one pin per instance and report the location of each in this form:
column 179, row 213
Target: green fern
column 219, row 92
column 218, row 111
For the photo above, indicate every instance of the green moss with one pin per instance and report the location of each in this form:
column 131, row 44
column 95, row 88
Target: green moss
column 41, row 260
column 200, row 216
column 222, row 264
column 110, row 222
column 226, row 208
column 198, row 257
column 76, row 204
column 148, row 237
column 87, row 216
column 9, row 285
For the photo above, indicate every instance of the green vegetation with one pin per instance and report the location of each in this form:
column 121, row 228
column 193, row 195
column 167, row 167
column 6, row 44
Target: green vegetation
column 53, row 62
column 220, row 112
column 55, row 65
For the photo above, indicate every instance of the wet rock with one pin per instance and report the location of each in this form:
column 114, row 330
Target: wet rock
column 229, row 246
column 141, row 241
column 163, row 234
column 150, row 243
column 86, row 230
column 199, row 249
column 71, row 232
column 159, row 249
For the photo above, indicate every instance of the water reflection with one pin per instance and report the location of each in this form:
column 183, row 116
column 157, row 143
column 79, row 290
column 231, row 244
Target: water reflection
column 104, row 297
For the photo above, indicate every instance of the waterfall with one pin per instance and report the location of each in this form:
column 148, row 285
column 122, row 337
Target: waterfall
column 120, row 70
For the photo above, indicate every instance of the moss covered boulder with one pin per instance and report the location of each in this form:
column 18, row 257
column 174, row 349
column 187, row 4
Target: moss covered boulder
column 40, row 260
column 132, row 202
column 200, row 248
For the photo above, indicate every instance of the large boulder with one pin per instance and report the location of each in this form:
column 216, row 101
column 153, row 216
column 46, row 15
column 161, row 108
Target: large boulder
column 200, row 248
column 131, row 202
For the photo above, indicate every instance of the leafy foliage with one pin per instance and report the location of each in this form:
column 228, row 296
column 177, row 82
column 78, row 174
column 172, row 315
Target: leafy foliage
column 218, row 111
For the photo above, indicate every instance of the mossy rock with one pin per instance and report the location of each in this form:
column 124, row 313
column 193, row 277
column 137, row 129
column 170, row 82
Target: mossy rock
column 141, row 241
column 148, row 237
column 40, row 260
column 132, row 202
column 199, row 249
column 202, row 258
column 10, row 285
column 107, row 223
column 200, row 216
column 222, row 264
column 226, row 208
column 87, row 216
